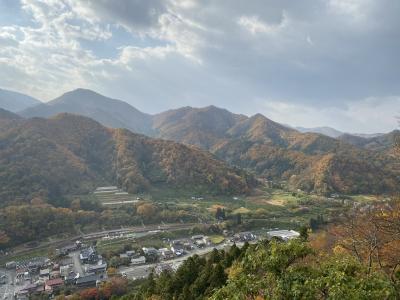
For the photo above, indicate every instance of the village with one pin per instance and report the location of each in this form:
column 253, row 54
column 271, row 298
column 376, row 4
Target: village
column 79, row 265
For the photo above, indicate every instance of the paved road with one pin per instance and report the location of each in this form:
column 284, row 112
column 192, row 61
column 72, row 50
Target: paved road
column 22, row 249
column 77, row 263
column 6, row 290
column 136, row 272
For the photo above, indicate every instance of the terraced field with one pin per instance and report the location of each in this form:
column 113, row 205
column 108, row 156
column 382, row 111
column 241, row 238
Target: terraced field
column 112, row 196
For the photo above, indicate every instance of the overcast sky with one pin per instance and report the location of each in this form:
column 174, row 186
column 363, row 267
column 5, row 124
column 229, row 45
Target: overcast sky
column 300, row 62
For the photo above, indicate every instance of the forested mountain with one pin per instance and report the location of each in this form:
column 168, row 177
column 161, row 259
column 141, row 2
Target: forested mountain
column 328, row 131
column 14, row 101
column 70, row 154
column 382, row 142
column 8, row 119
column 309, row 161
column 109, row 112
column 203, row 127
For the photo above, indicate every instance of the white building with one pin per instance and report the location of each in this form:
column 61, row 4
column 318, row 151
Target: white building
column 138, row 261
column 283, row 234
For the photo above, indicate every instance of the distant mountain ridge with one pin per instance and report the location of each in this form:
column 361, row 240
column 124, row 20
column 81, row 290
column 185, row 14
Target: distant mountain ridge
column 110, row 112
column 14, row 101
column 381, row 142
column 70, row 154
column 328, row 131
column 309, row 161
column 332, row 132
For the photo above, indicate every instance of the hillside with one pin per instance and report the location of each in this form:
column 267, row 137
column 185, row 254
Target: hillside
column 328, row 131
column 203, row 127
column 15, row 102
column 70, row 154
column 382, row 142
column 109, row 112
column 310, row 161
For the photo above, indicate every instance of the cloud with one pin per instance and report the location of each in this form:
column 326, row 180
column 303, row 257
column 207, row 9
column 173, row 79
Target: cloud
column 362, row 116
column 327, row 56
column 254, row 25
column 133, row 14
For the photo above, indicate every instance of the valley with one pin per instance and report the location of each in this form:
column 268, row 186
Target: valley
column 186, row 186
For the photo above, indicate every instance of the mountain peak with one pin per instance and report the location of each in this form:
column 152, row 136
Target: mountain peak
column 14, row 101
column 109, row 112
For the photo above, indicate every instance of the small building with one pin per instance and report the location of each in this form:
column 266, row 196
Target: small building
column 130, row 253
column 197, row 237
column 245, row 236
column 96, row 269
column 69, row 248
column 89, row 280
column 29, row 290
column 283, row 234
column 150, row 251
column 65, row 270
column 89, row 255
column 166, row 253
column 53, row 284
column 55, row 274
column 44, row 273
column 70, row 279
column 138, row 261
column 11, row 265
column 177, row 247
column 200, row 240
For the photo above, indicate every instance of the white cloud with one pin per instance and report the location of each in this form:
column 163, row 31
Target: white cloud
column 315, row 54
column 254, row 25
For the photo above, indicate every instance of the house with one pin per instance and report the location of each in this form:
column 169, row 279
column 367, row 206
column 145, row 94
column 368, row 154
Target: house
column 89, row 255
column 130, row 253
column 166, row 253
column 70, row 279
column 89, row 280
column 283, row 234
column 65, row 270
column 55, row 274
column 200, row 240
column 11, row 265
column 29, row 290
column 177, row 247
column 150, row 251
column 44, row 273
column 96, row 269
column 138, row 261
column 151, row 254
column 245, row 236
column 53, row 284
column 69, row 248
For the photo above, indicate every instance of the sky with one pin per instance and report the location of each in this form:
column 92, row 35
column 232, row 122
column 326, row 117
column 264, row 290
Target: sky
column 304, row 63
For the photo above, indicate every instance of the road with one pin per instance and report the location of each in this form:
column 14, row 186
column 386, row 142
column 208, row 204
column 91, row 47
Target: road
column 22, row 249
column 77, row 263
column 7, row 290
column 136, row 272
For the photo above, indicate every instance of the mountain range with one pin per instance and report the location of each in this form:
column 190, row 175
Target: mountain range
column 71, row 154
column 13, row 101
column 307, row 161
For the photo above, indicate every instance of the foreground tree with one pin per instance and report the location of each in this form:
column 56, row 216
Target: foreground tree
column 372, row 235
